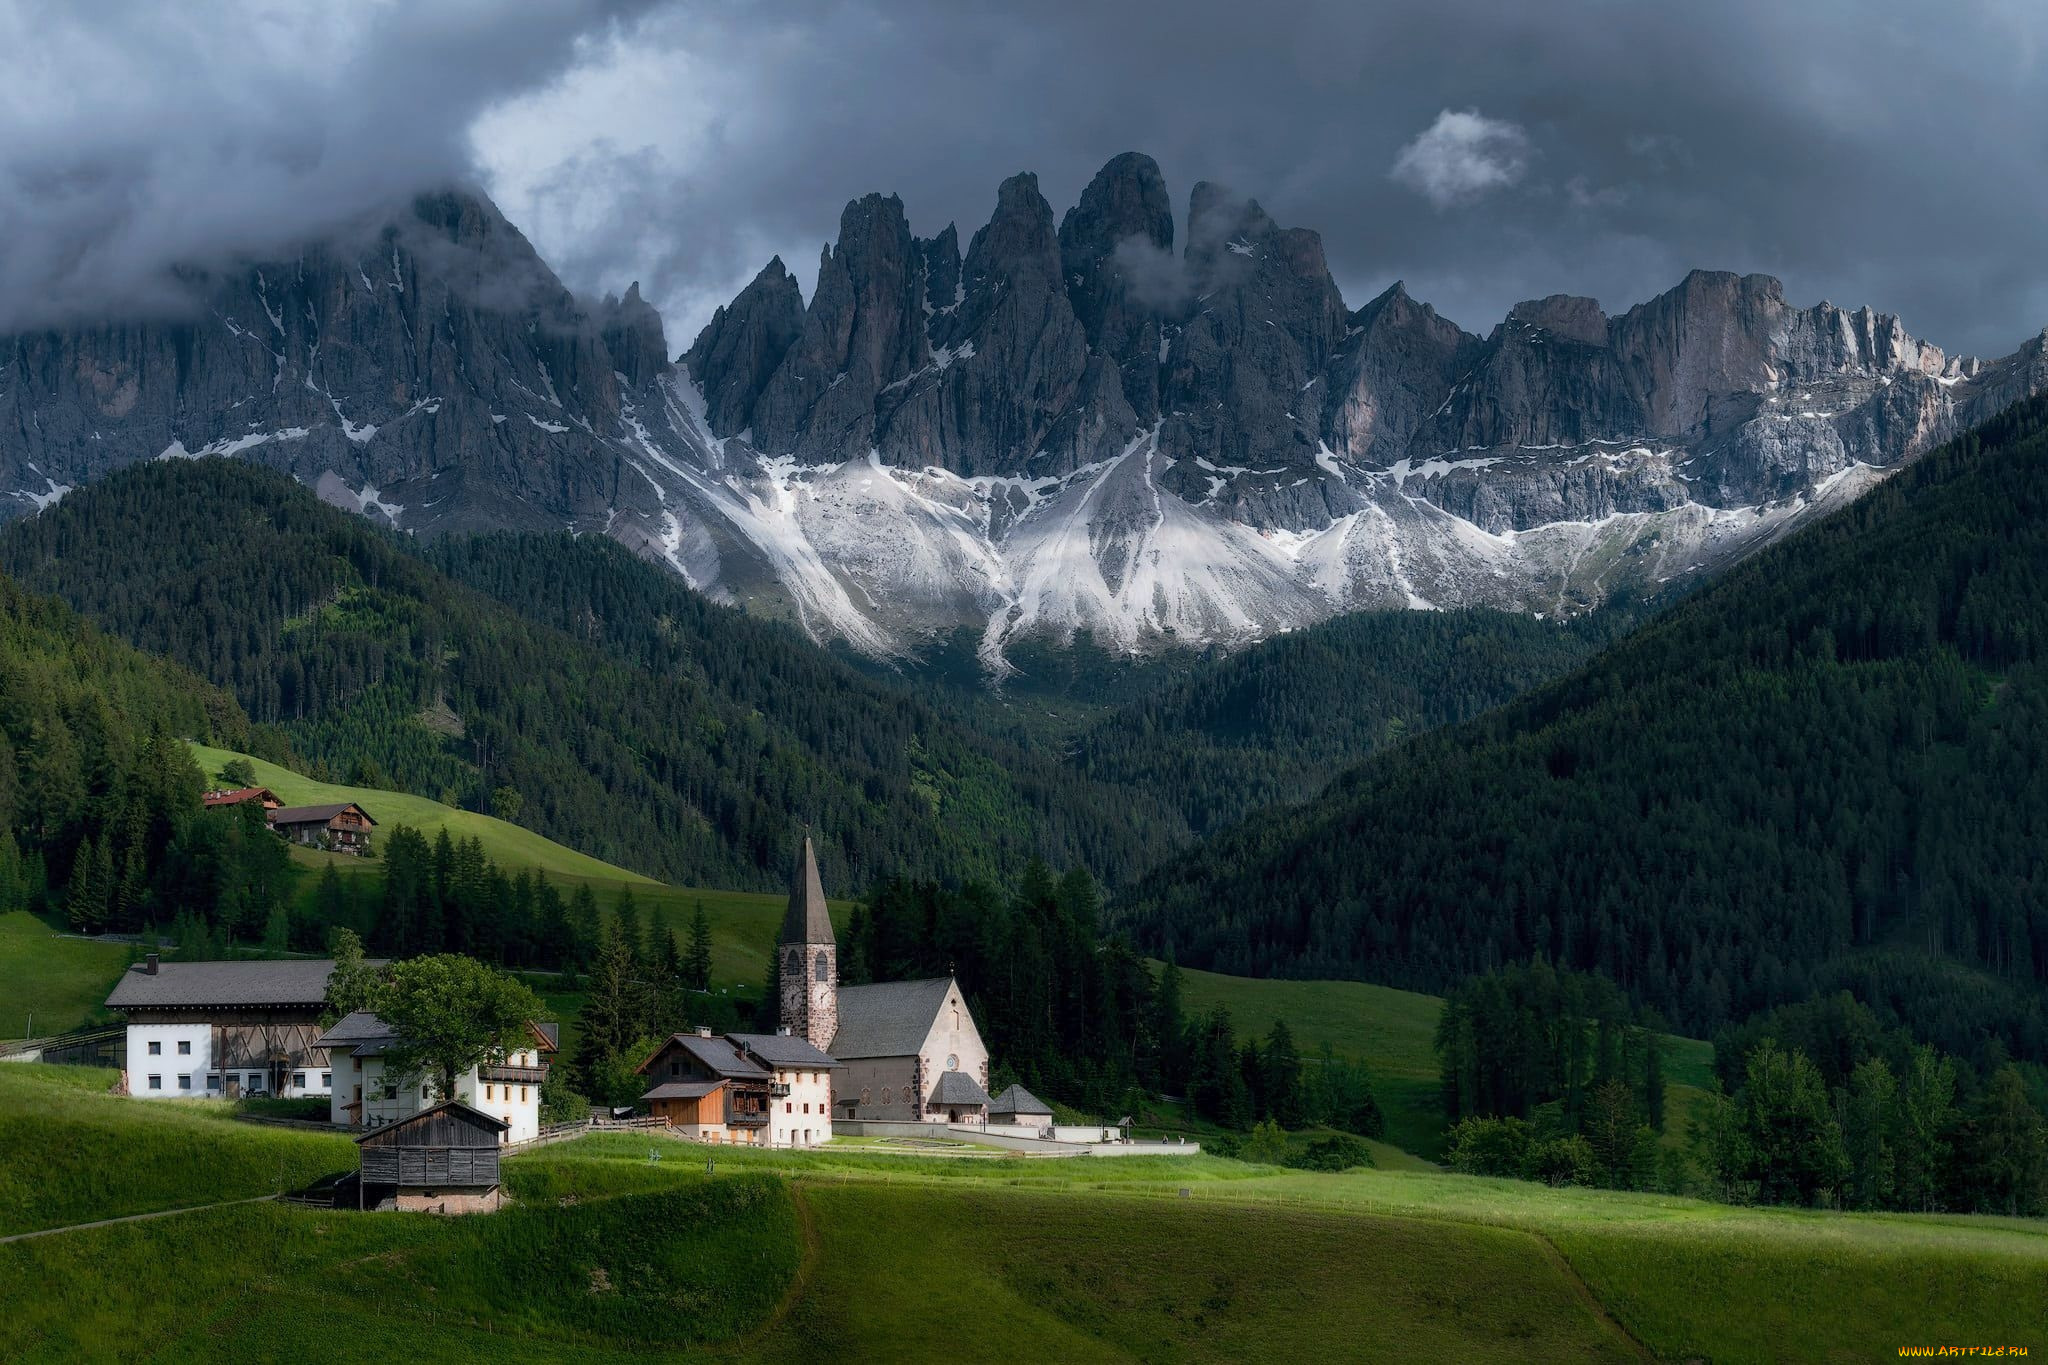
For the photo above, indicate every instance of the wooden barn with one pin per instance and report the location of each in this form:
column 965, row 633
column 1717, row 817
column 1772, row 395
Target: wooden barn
column 441, row 1160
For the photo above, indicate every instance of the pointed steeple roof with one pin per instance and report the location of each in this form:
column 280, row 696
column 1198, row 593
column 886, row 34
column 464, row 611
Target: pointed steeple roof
column 807, row 920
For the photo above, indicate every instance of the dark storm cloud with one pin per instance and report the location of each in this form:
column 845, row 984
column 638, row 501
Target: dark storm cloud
column 1865, row 152
column 139, row 136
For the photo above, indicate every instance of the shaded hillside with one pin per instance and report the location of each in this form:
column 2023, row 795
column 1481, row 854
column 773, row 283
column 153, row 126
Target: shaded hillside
column 1832, row 766
column 99, row 804
column 592, row 696
column 1273, row 724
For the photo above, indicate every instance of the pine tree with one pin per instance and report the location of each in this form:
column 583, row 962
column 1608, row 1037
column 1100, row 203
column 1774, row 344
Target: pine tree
column 697, row 962
column 611, row 1017
column 92, row 881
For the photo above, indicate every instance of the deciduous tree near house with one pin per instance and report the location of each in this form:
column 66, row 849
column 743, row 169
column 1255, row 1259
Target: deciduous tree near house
column 451, row 1013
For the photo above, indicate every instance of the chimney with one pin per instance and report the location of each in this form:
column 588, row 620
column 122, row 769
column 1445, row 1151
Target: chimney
column 151, row 961
column 703, row 1030
column 782, row 1030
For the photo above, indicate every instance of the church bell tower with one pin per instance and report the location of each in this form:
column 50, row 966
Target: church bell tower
column 808, row 956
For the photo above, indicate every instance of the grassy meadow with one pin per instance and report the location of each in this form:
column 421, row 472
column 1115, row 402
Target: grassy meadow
column 624, row 1245
column 57, row 980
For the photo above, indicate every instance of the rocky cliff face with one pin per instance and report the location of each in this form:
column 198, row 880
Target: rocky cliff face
column 1065, row 428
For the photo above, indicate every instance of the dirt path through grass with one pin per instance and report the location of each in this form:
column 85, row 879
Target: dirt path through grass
column 133, row 1218
column 807, row 1233
column 1591, row 1300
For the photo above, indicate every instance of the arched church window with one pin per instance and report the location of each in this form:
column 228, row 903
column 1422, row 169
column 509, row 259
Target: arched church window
column 887, row 1096
column 865, row 1096
column 956, row 1020
column 823, row 969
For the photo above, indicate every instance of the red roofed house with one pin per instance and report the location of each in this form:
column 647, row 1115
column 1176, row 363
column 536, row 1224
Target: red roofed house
column 237, row 796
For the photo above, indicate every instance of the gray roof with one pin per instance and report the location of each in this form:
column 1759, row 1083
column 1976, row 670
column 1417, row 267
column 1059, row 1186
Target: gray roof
column 1018, row 1100
column 363, row 1033
column 682, row 1090
column 314, row 815
column 807, row 920
column 551, row 1031
column 957, row 1087
column 718, row 1056
column 217, row 984
column 785, row 1050
column 888, row 1019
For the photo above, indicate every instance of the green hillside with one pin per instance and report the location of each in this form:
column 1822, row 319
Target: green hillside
column 1828, row 769
column 743, row 923
column 508, row 845
column 789, row 1256
column 626, row 715
column 57, row 981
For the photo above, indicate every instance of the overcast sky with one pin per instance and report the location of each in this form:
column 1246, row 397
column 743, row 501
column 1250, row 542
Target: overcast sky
column 1866, row 151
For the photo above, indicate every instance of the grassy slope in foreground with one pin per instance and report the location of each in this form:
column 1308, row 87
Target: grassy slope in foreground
column 60, row 981
column 606, row 1252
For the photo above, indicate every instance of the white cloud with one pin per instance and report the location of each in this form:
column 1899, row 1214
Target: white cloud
column 1463, row 156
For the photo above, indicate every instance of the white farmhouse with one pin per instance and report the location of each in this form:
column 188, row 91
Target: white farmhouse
column 367, row 1094
column 223, row 1029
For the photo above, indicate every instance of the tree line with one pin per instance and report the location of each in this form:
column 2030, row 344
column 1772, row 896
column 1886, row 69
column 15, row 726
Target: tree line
column 1819, row 1103
column 101, row 823
column 1073, row 1013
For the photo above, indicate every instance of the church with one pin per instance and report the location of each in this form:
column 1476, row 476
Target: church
column 908, row 1051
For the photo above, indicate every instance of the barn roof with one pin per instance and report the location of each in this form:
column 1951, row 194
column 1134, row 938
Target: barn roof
column 682, row 1090
column 314, row 815
column 302, row 982
column 808, row 920
column 957, row 1087
column 888, row 1019
column 782, row 1049
column 1018, row 1100
column 435, row 1127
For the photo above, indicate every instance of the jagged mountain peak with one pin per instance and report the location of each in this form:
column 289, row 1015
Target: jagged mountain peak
column 1071, row 426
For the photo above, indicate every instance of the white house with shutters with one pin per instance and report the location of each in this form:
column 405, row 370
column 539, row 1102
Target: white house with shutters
column 367, row 1094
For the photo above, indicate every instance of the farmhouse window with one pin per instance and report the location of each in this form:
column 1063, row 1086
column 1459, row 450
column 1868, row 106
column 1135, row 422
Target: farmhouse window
column 213, row 1080
column 185, row 1081
column 327, row 1080
column 156, row 1049
column 185, row 1048
column 788, row 1108
column 490, row 1092
column 255, row 1082
column 156, row 1082
column 522, row 1094
column 299, row 1080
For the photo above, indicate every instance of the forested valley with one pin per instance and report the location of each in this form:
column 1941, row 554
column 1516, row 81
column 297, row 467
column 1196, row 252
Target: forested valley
column 1827, row 771
column 562, row 682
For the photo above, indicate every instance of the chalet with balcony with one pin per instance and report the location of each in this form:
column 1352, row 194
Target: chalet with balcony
column 344, row 828
column 710, row 1089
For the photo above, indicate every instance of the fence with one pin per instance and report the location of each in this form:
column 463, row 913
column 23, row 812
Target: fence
column 85, row 1047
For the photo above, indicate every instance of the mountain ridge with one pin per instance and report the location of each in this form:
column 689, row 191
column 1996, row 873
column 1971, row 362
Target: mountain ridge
column 1067, row 426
